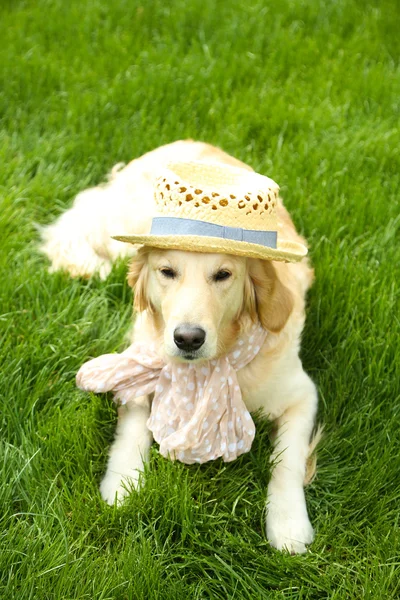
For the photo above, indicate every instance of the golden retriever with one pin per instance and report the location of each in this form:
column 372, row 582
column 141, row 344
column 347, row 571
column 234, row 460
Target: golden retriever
column 216, row 294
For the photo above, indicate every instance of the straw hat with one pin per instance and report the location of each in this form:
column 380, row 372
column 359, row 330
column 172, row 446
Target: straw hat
column 208, row 207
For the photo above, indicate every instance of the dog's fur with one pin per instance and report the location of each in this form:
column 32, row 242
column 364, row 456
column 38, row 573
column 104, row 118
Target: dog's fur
column 273, row 292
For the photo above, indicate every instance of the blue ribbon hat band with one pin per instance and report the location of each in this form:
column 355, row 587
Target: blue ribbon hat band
column 178, row 226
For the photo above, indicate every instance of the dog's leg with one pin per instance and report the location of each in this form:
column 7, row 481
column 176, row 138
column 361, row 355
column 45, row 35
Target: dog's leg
column 288, row 525
column 128, row 452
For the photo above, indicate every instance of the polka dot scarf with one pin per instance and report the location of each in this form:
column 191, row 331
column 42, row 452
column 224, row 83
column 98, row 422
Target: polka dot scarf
column 197, row 412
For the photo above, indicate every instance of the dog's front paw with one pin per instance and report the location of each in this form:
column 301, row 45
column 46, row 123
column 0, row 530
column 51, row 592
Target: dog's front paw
column 117, row 486
column 288, row 529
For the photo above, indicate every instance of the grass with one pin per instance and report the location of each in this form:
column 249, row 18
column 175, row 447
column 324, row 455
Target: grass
column 306, row 92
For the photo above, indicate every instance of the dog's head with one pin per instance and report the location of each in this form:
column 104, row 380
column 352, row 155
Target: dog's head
column 198, row 300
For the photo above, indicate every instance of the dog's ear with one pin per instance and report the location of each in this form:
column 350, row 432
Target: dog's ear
column 265, row 297
column 138, row 274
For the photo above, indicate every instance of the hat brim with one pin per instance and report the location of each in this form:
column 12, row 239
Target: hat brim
column 286, row 251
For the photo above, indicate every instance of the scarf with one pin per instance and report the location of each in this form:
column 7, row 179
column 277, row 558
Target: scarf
column 197, row 412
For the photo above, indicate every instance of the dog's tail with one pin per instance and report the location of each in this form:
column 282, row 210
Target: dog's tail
column 311, row 465
column 73, row 243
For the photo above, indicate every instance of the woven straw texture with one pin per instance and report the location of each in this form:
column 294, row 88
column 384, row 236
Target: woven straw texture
column 218, row 194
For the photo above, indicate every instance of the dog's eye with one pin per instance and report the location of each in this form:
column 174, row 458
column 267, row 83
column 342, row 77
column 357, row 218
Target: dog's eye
column 168, row 272
column 222, row 275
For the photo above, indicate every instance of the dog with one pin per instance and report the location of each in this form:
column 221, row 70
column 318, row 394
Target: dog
column 192, row 305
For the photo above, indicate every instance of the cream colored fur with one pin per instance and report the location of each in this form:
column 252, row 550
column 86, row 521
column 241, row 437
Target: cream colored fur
column 274, row 382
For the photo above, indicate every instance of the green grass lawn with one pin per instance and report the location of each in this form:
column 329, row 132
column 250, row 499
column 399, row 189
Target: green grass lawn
column 307, row 92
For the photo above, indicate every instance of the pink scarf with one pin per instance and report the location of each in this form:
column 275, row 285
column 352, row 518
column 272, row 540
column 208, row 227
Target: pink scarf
column 197, row 412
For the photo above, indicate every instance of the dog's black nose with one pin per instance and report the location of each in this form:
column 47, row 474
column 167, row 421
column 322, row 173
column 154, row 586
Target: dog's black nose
column 189, row 338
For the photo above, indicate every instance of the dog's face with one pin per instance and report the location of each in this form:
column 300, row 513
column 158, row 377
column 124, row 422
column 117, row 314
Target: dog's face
column 198, row 299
